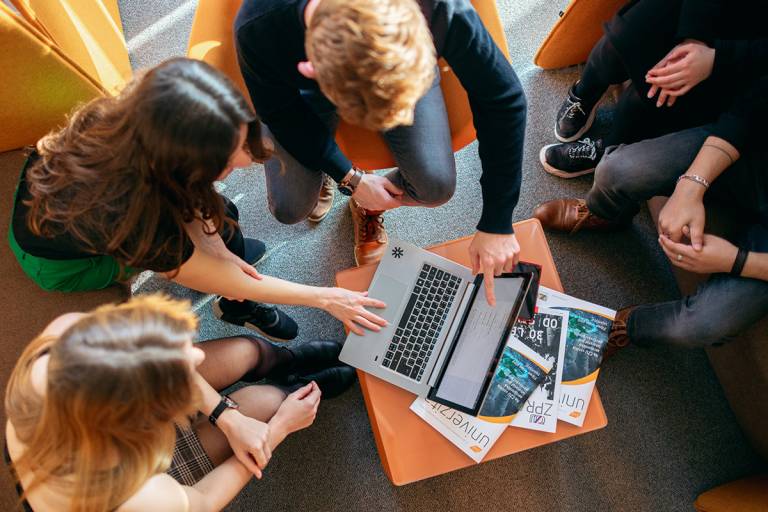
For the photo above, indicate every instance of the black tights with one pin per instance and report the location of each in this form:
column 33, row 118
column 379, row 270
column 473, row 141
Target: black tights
column 270, row 357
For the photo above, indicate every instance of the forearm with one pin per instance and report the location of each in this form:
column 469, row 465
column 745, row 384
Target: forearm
column 219, row 487
column 206, row 273
column 756, row 266
column 714, row 157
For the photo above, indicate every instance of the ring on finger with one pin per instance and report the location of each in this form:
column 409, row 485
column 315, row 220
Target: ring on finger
column 679, row 257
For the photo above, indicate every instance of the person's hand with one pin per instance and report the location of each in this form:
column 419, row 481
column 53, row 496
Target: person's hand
column 248, row 438
column 348, row 306
column 298, row 410
column 684, row 214
column 377, row 193
column 681, row 70
column 716, row 255
column 491, row 254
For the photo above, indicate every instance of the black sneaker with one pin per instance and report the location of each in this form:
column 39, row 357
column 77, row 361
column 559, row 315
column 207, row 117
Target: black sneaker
column 332, row 381
column 265, row 319
column 574, row 118
column 572, row 159
column 254, row 250
column 309, row 357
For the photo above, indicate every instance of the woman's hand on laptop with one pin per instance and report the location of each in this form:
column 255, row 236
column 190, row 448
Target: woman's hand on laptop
column 349, row 308
column 492, row 254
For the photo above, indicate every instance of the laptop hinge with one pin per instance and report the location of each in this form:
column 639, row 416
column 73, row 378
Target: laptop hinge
column 434, row 372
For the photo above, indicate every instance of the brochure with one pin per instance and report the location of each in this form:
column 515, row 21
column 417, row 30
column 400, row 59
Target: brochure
column 473, row 436
column 518, row 374
column 588, row 329
column 547, row 336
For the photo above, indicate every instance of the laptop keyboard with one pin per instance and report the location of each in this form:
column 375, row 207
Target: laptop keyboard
column 416, row 335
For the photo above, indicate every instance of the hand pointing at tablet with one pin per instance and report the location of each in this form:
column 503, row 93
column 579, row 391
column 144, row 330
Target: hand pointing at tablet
column 492, row 254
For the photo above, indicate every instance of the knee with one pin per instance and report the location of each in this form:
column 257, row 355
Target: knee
column 288, row 214
column 438, row 187
column 614, row 172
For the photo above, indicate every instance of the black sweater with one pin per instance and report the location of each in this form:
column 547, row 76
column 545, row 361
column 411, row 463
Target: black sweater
column 270, row 43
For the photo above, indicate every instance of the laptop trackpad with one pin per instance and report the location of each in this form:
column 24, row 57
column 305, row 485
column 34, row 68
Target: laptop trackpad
column 392, row 293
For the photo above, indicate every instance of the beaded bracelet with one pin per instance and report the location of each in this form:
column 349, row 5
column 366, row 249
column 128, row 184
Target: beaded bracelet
column 695, row 178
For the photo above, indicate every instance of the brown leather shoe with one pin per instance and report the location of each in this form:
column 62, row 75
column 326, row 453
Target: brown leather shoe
column 618, row 338
column 370, row 236
column 571, row 215
column 325, row 201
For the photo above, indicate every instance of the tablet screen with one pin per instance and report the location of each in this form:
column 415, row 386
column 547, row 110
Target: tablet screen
column 478, row 343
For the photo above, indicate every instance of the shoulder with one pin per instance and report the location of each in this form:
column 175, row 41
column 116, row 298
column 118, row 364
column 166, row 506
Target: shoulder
column 161, row 492
column 256, row 12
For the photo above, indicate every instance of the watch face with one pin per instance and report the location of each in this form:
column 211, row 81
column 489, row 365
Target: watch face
column 345, row 191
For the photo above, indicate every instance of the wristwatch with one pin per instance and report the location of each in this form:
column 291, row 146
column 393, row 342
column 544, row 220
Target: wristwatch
column 350, row 182
column 226, row 403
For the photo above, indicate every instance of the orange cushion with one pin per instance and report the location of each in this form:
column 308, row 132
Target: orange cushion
column 89, row 32
column 745, row 495
column 40, row 85
column 575, row 33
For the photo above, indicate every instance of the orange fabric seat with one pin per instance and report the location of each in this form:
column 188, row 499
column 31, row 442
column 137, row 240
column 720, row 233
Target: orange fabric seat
column 571, row 39
column 42, row 83
column 212, row 41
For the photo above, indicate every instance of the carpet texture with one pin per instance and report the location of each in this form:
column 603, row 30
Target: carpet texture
column 671, row 433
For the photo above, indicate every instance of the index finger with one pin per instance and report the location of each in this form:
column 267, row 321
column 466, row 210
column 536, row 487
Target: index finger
column 487, row 270
column 679, row 248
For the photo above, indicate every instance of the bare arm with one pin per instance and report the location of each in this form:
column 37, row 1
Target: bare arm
column 756, row 266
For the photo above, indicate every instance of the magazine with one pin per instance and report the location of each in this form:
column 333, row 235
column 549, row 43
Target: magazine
column 473, row 436
column 547, row 336
column 588, row 329
column 518, row 374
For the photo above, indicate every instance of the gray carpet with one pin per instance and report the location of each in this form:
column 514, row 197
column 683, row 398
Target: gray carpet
column 671, row 433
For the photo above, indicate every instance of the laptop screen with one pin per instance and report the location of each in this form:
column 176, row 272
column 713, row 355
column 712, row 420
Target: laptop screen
column 477, row 346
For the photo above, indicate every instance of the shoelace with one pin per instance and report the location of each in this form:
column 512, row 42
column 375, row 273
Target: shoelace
column 371, row 228
column 573, row 106
column 585, row 148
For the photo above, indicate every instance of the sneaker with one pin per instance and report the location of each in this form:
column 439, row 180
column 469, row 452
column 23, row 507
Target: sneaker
column 574, row 118
column 265, row 319
column 370, row 235
column 618, row 338
column 254, row 250
column 332, row 381
column 572, row 159
column 309, row 357
column 324, row 200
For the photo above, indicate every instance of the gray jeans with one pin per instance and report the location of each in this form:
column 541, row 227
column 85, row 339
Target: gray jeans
column 724, row 305
column 426, row 169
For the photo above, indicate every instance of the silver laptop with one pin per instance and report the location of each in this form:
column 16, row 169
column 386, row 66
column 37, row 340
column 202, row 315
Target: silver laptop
column 443, row 339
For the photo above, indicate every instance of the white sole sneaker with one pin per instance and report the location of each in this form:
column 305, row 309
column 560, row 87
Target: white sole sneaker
column 557, row 172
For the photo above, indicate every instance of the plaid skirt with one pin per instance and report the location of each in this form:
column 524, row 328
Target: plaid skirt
column 190, row 462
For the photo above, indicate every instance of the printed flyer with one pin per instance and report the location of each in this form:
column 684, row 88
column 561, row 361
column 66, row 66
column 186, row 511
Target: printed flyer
column 473, row 436
column 547, row 336
column 588, row 329
column 518, row 374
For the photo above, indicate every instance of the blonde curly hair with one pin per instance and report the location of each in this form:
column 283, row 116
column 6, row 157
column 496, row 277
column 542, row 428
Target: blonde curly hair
column 374, row 59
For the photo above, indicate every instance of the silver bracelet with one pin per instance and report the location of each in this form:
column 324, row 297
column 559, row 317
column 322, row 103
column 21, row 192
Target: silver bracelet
column 695, row 178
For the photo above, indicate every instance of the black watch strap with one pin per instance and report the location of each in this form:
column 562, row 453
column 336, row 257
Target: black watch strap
column 224, row 404
column 738, row 263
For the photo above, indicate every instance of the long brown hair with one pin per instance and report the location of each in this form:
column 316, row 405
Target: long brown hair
column 117, row 380
column 126, row 173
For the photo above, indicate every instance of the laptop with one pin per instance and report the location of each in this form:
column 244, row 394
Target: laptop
column 443, row 340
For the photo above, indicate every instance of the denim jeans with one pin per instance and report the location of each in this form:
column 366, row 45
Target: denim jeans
column 426, row 169
column 724, row 305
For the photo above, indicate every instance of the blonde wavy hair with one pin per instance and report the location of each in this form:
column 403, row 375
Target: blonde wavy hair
column 118, row 379
column 374, row 59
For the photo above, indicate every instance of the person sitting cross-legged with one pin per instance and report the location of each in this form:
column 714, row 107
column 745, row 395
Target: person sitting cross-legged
column 99, row 409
